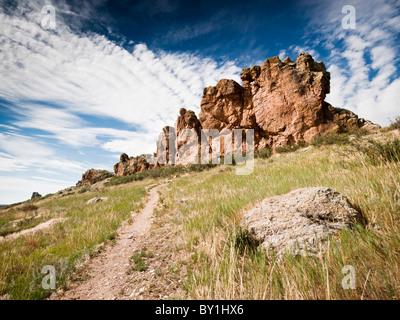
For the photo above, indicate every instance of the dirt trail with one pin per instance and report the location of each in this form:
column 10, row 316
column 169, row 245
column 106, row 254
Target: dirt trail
column 107, row 272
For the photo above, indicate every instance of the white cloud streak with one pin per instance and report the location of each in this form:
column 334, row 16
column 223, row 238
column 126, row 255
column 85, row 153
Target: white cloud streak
column 54, row 79
column 363, row 61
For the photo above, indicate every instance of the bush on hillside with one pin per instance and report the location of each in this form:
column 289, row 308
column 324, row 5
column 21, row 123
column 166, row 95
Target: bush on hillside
column 378, row 152
column 395, row 124
column 263, row 153
column 290, row 147
column 332, row 138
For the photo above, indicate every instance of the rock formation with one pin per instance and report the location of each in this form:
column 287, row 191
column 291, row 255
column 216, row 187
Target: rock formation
column 36, row 195
column 127, row 166
column 301, row 221
column 93, row 176
column 165, row 154
column 188, row 138
column 282, row 101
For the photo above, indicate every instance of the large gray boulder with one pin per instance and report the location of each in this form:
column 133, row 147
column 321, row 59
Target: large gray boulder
column 301, row 221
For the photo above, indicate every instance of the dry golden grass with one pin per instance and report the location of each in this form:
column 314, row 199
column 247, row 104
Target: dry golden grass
column 195, row 237
column 208, row 225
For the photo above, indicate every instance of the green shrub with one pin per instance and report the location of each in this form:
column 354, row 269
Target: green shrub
column 332, row 138
column 140, row 264
column 29, row 207
column 360, row 132
column 84, row 189
column 263, row 153
column 379, row 152
column 290, row 147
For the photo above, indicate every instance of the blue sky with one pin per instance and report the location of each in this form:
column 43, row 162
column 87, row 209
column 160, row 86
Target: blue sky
column 113, row 73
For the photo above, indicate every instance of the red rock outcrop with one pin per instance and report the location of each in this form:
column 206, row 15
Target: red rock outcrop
column 188, row 138
column 283, row 101
column 165, row 154
column 93, row 176
column 127, row 166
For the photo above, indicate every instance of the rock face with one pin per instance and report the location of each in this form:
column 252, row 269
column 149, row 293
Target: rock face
column 222, row 106
column 301, row 221
column 283, row 101
column 36, row 195
column 128, row 166
column 188, row 138
column 93, row 176
column 165, row 154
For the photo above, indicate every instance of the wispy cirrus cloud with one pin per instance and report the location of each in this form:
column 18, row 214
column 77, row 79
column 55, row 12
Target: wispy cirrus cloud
column 20, row 152
column 63, row 87
column 363, row 62
column 90, row 75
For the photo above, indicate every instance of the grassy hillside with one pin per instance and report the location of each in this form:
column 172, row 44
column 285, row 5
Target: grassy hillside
column 220, row 263
column 66, row 244
column 198, row 250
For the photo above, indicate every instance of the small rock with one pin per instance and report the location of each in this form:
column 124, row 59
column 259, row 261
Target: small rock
column 95, row 200
column 133, row 293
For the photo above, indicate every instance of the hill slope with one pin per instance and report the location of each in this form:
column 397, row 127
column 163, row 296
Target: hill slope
column 195, row 248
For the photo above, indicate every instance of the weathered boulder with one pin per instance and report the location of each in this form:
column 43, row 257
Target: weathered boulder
column 93, row 176
column 301, row 221
column 96, row 200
